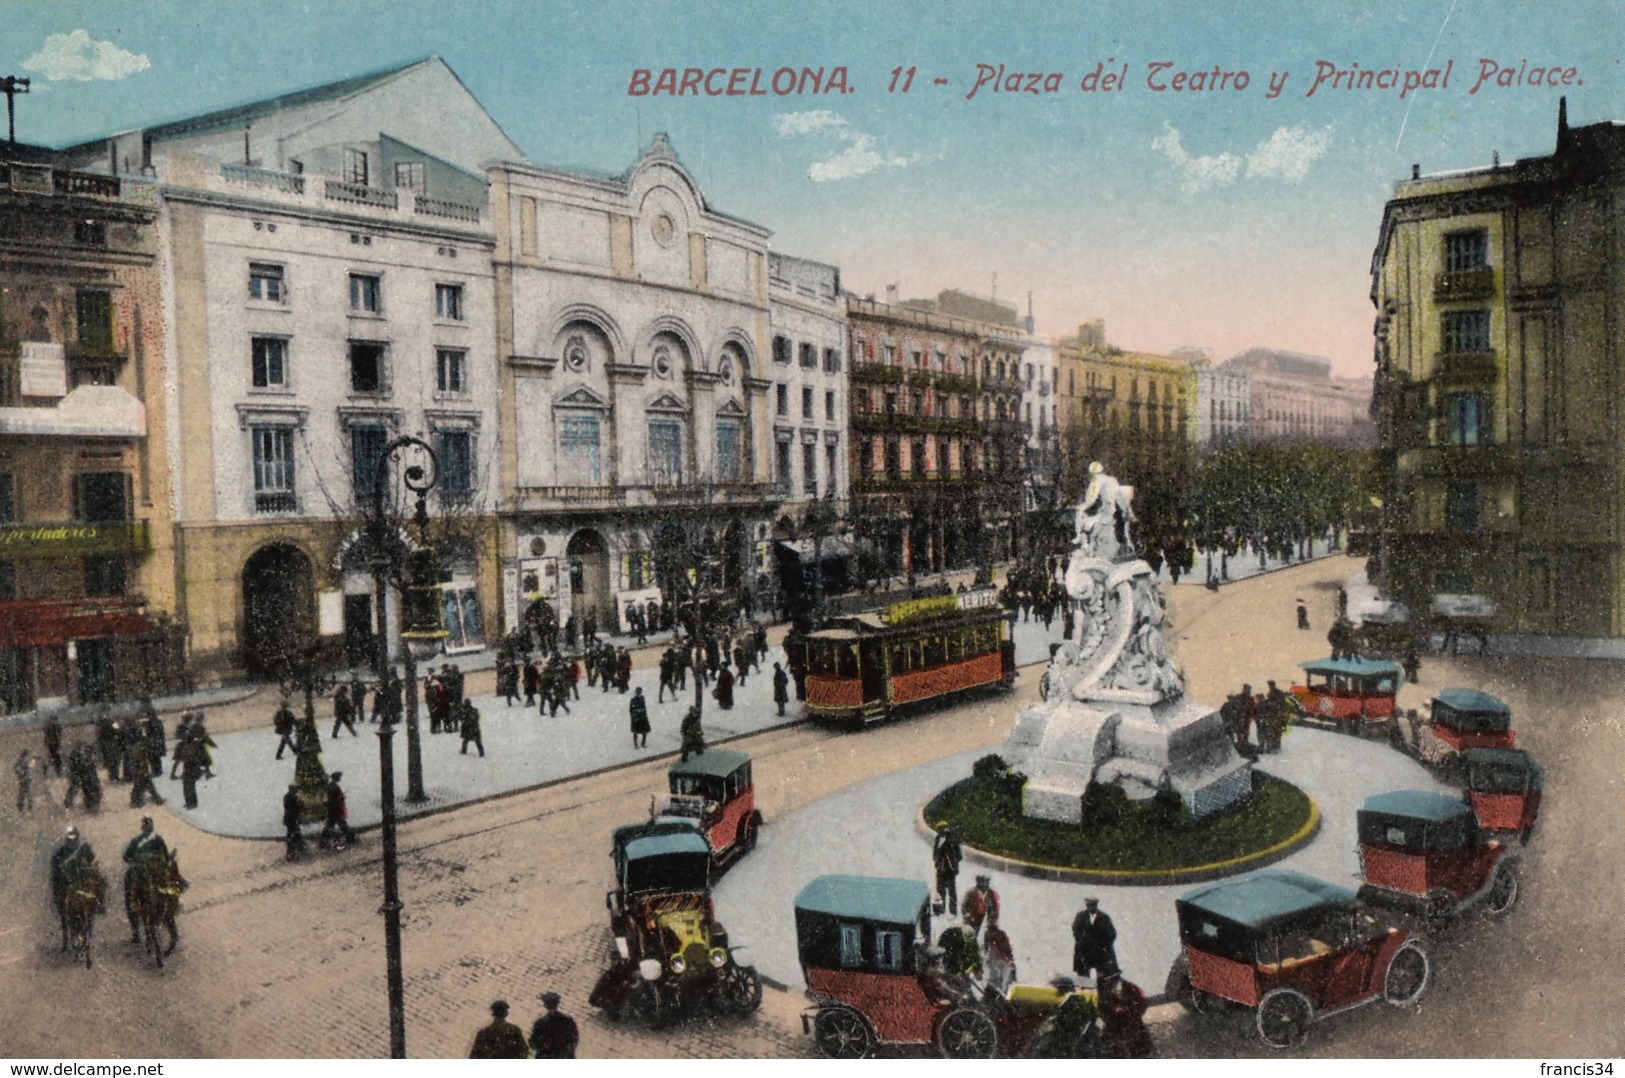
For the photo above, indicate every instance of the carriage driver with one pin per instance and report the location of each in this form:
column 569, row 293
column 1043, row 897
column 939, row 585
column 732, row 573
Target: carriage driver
column 147, row 857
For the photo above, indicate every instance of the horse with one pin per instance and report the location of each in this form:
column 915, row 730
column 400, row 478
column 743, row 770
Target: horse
column 77, row 908
column 153, row 898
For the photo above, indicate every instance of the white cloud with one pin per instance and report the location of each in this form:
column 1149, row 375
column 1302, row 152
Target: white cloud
column 1286, row 154
column 858, row 157
column 1289, row 152
column 803, row 123
column 1196, row 173
column 77, row 56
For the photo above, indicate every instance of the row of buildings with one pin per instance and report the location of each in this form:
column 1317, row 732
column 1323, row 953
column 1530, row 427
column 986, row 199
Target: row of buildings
column 211, row 329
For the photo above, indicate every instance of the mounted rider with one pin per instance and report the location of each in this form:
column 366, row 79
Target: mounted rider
column 72, row 863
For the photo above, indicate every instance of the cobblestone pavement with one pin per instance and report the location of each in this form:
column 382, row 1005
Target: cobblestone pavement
column 505, row 898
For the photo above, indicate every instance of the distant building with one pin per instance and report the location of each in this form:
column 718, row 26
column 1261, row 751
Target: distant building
column 1110, row 389
column 1498, row 359
column 1223, row 402
column 1292, row 397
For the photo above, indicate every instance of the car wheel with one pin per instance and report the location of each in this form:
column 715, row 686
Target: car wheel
column 1407, row 976
column 1503, row 889
column 646, row 1006
column 1283, row 1018
column 741, row 989
column 747, row 835
column 1180, row 989
column 842, row 1033
column 966, row 1033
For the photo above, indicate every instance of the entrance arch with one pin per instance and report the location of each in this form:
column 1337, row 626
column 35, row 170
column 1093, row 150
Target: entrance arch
column 279, row 607
column 587, row 556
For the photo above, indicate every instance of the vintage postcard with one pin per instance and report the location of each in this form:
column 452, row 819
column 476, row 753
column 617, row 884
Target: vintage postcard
column 702, row 530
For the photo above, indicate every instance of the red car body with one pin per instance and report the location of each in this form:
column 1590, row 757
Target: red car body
column 1425, row 852
column 716, row 790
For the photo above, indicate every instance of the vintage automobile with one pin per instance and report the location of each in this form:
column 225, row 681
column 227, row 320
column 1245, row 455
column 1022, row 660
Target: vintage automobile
column 863, row 941
column 1294, row 949
column 1424, row 853
column 1347, row 694
column 1463, row 719
column 1504, row 789
column 715, row 790
column 670, row 951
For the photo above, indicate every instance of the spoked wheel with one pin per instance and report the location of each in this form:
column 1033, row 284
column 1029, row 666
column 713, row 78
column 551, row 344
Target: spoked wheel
column 842, row 1033
column 966, row 1033
column 1407, row 976
column 646, row 1006
column 1283, row 1018
column 747, row 835
column 740, row 989
column 1180, row 989
column 1503, row 889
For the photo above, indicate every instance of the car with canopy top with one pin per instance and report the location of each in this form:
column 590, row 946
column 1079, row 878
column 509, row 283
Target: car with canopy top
column 1504, row 787
column 715, row 790
column 1293, row 948
column 1464, row 719
column 669, row 949
column 1346, row 694
column 1424, row 852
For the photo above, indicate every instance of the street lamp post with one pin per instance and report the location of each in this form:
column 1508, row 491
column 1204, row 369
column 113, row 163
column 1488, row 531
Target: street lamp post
column 419, row 483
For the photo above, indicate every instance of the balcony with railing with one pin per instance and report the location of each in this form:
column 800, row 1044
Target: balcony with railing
column 1453, row 285
column 625, row 496
column 288, row 182
column 344, row 191
column 301, row 189
column 1466, row 368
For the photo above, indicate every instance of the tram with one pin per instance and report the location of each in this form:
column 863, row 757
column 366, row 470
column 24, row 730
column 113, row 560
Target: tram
column 914, row 653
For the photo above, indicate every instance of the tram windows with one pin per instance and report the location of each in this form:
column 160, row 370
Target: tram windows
column 846, row 660
column 936, row 652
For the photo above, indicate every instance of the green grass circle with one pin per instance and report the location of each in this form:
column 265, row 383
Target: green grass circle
column 987, row 813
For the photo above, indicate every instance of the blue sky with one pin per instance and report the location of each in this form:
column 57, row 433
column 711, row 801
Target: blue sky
column 1214, row 218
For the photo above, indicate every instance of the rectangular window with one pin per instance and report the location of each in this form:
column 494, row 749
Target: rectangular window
column 831, row 457
column 809, row 355
column 832, row 360
column 782, row 396
column 894, row 459
column 888, row 949
column 451, row 370
column 265, row 282
column 891, row 355
column 829, row 405
column 101, row 496
column 1468, row 250
column 8, row 499
column 781, row 349
column 448, row 301
column 270, row 361
column 917, row 456
column 665, row 452
column 1461, row 508
column 851, row 953
column 891, row 402
column 578, row 450
column 1464, row 419
column 366, row 367
column 782, row 466
column 104, row 574
column 409, row 175
column 454, row 454
column 273, row 470
column 366, row 446
column 917, row 358
column 90, row 232
column 364, row 292
column 95, row 321
column 806, row 402
column 1466, row 331
column 355, row 167
column 728, row 469
column 809, row 469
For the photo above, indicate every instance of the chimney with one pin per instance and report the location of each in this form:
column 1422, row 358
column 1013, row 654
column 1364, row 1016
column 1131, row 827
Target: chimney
column 1029, row 323
column 1562, row 121
column 1416, row 172
column 891, row 294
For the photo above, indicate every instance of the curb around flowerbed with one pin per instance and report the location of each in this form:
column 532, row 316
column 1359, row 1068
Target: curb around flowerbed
column 1129, row 878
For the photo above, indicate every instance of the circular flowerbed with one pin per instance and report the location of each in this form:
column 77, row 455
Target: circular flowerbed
column 1154, row 839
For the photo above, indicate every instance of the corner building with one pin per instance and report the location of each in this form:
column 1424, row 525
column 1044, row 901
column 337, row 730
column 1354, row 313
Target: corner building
column 1500, row 401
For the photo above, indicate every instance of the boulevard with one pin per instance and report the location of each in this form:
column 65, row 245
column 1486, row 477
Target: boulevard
column 504, row 895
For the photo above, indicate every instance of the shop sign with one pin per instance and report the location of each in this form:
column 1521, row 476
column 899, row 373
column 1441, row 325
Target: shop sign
column 62, row 540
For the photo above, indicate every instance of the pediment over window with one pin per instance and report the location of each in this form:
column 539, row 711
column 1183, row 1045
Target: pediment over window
column 666, row 402
column 731, row 409
column 581, row 397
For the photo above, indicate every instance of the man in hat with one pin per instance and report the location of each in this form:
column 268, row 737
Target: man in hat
column 638, row 709
column 283, row 724
column 501, row 1039
column 946, row 853
column 338, row 815
column 291, row 821
column 981, row 905
column 70, row 863
column 147, row 858
column 554, row 1035
column 1094, row 941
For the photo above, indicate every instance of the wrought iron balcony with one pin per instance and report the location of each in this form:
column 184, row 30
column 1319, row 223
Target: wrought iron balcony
column 1463, row 285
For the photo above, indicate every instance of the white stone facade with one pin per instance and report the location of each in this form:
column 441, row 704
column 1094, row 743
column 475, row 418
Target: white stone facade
column 810, row 457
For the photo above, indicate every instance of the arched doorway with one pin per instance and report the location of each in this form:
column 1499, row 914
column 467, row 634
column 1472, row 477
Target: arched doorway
column 587, row 556
column 279, row 608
